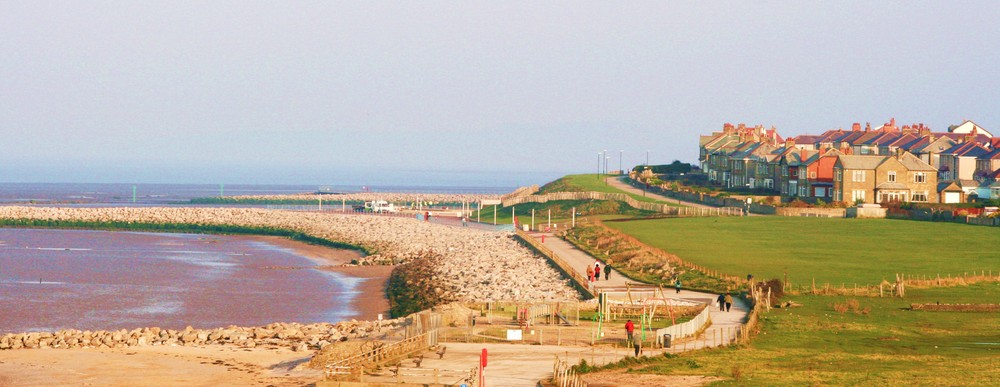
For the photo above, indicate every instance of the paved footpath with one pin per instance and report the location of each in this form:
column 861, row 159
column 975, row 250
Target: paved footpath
column 724, row 324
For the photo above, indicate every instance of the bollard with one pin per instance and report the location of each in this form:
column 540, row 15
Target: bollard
column 543, row 238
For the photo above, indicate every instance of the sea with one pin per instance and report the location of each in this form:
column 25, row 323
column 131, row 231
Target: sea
column 81, row 279
column 98, row 194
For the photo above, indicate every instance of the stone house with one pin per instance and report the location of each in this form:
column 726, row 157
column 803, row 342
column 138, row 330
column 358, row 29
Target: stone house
column 880, row 179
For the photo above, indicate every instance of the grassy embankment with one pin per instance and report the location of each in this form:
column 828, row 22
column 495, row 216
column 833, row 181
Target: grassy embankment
column 842, row 340
column 562, row 210
column 592, row 182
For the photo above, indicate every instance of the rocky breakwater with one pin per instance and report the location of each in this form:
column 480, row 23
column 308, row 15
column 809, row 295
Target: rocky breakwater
column 398, row 198
column 453, row 263
column 298, row 337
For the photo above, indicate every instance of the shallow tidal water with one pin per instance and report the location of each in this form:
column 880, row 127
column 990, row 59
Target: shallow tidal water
column 104, row 280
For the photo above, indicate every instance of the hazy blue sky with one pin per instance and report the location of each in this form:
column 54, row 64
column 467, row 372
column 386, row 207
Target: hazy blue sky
column 481, row 93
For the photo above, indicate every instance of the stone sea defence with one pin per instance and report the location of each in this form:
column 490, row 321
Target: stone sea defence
column 298, row 337
column 398, row 198
column 462, row 264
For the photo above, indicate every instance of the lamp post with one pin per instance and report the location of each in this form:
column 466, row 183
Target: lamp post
column 606, row 169
column 647, row 158
column 620, row 162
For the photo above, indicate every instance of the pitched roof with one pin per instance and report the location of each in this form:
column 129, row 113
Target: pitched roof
column 992, row 155
column 914, row 163
column 860, row 162
column 968, row 149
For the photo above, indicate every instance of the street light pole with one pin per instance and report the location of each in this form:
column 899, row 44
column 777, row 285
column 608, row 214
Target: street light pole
column 606, row 169
column 598, row 165
column 647, row 158
column 620, row 162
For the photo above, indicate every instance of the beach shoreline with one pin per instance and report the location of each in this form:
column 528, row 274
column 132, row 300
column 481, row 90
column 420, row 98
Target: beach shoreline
column 370, row 302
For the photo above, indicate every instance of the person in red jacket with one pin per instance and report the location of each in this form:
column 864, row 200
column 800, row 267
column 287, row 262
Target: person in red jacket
column 629, row 328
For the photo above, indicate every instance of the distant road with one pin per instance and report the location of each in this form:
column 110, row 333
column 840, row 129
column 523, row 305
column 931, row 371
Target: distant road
column 617, row 183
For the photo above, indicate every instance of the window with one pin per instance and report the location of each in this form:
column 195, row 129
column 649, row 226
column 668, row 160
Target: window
column 892, row 176
column 919, row 196
column 802, row 191
column 920, row 177
column 812, row 174
column 858, row 195
column 838, row 174
column 837, row 195
column 859, row 176
column 784, row 172
column 769, row 184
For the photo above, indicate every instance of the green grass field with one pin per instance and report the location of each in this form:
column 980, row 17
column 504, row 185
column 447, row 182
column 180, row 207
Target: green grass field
column 835, row 251
column 888, row 345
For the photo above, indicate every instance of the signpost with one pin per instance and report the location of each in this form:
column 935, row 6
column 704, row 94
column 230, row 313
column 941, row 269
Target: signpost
column 482, row 366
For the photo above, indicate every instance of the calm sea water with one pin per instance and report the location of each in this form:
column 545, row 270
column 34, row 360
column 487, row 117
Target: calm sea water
column 166, row 194
column 57, row 279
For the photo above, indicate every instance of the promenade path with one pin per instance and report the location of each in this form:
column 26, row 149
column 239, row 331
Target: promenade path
column 724, row 324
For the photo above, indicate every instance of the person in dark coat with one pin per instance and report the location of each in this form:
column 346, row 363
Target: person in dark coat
column 722, row 302
column 607, row 271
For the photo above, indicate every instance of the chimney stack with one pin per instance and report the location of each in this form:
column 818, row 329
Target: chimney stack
column 856, row 127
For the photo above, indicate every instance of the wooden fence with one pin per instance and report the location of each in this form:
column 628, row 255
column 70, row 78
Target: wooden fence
column 896, row 288
column 563, row 375
column 646, row 206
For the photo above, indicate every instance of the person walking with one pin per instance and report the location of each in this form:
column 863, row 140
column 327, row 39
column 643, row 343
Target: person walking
column 607, row 271
column 677, row 284
column 629, row 328
column 722, row 302
column 729, row 301
column 590, row 274
column 597, row 271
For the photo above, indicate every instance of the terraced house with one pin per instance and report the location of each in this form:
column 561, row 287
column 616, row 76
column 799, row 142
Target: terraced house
column 903, row 163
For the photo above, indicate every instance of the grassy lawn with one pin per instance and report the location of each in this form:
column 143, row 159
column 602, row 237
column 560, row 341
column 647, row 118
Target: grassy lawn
column 878, row 343
column 835, row 251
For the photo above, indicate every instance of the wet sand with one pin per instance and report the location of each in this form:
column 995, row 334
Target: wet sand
column 370, row 302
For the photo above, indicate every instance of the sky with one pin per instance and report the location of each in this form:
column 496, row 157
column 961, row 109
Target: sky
column 461, row 93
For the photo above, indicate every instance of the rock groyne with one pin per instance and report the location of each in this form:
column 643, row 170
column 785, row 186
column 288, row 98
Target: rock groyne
column 298, row 337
